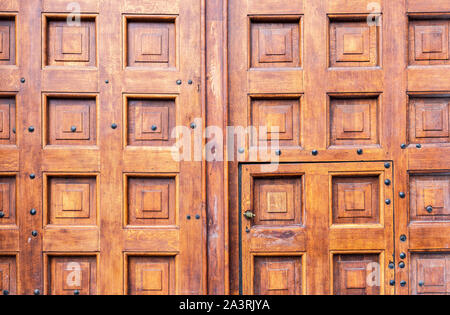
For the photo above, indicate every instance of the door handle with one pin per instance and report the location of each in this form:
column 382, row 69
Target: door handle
column 249, row 215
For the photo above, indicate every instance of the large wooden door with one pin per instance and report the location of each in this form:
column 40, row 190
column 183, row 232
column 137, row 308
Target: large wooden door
column 91, row 93
column 317, row 229
column 342, row 81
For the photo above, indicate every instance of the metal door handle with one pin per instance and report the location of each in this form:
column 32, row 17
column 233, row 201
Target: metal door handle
column 249, row 214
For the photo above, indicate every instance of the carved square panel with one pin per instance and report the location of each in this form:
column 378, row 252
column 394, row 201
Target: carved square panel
column 430, row 197
column 7, row 120
column 277, row 275
column 8, row 275
column 72, row 200
column 71, row 121
column 353, row 43
column 69, row 275
column 429, row 42
column 275, row 43
column 277, row 201
column 150, row 42
column 430, row 273
column 70, row 45
column 150, row 122
column 356, row 200
column 151, row 200
column 8, row 200
column 429, row 120
column 354, row 121
column 149, row 275
column 352, row 274
column 276, row 119
column 7, row 40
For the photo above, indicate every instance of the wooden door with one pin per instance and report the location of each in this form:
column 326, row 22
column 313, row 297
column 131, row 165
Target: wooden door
column 317, row 229
column 98, row 203
column 348, row 81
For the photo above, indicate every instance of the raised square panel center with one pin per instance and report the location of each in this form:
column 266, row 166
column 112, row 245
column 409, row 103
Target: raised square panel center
column 353, row 44
column 433, row 120
column 72, row 40
column 354, row 200
column 151, row 44
column 432, row 42
column 278, row 279
column 151, row 200
column 72, row 200
column 355, row 278
column 152, row 279
column 277, row 202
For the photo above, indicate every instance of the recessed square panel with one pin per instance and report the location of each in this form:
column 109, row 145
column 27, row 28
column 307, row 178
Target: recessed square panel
column 7, row 120
column 151, row 42
column 151, row 201
column 7, row 40
column 277, row 275
column 277, row 201
column 352, row 274
column 8, row 275
column 353, row 43
column 429, row 120
column 69, row 275
column 276, row 119
column 71, row 121
column 430, row 197
column 149, row 275
column 430, row 273
column 150, row 122
column 72, row 200
column 356, row 200
column 70, row 45
column 429, row 42
column 275, row 43
column 354, row 121
column 8, row 200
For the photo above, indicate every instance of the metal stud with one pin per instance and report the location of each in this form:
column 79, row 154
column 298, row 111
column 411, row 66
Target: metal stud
column 2, row 214
column 73, row 128
column 179, row 82
column 391, row 265
column 278, row 152
column 34, row 233
column 392, row 282
column 419, row 146
column 403, row 238
column 190, row 82
column 387, row 182
column 402, row 283
column 402, row 194
column 401, row 264
column 403, row 146
column 315, row 152
column 193, row 125
column 387, row 165
column 421, row 283
column 241, row 150
column 22, row 80
column 76, row 292
column 388, row 201
column 154, row 127
column 106, row 81
column 31, row 129
column 247, row 230
column 33, row 211
column 37, row 292
column 114, row 126
column 402, row 255
column 5, row 292
column 188, row 217
column 14, row 130
column 197, row 216
column 360, row 151
column 429, row 209
column 32, row 176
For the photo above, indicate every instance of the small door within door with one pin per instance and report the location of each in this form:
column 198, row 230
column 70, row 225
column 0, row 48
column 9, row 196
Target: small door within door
column 324, row 228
